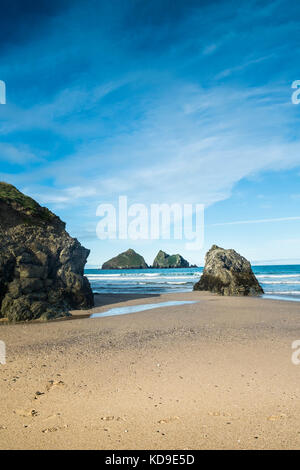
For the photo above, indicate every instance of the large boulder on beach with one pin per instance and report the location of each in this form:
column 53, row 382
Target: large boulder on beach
column 163, row 260
column 127, row 260
column 41, row 266
column 226, row 272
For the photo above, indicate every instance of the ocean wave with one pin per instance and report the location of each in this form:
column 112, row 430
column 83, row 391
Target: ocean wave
column 177, row 283
column 182, row 280
column 162, row 273
column 294, row 292
column 265, row 276
column 100, row 276
column 290, row 283
column 135, row 278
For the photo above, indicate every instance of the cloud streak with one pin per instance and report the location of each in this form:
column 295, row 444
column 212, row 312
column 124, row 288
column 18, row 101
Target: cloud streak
column 259, row 221
column 175, row 104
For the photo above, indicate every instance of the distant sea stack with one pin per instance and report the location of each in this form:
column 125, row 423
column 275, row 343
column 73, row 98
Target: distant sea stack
column 41, row 266
column 127, row 260
column 163, row 260
column 228, row 273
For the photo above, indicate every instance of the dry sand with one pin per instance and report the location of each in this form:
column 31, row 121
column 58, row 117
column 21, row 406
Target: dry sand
column 215, row 374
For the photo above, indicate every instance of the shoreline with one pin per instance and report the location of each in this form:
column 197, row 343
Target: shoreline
column 209, row 375
column 278, row 281
column 104, row 302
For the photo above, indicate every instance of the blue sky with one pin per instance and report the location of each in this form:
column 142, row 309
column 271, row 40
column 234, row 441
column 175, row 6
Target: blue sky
column 161, row 101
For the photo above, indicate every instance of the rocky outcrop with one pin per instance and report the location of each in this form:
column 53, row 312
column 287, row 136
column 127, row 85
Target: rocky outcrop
column 127, row 260
column 228, row 273
column 41, row 266
column 163, row 260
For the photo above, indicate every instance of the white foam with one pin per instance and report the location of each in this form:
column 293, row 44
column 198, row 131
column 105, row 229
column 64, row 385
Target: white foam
column 282, row 282
column 177, row 283
column 260, row 276
column 283, row 292
column 100, row 276
column 103, row 277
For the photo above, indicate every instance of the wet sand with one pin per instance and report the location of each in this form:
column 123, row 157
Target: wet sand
column 214, row 374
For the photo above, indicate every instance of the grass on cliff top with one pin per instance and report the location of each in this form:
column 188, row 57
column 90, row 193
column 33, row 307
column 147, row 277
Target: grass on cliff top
column 165, row 260
column 11, row 195
column 129, row 258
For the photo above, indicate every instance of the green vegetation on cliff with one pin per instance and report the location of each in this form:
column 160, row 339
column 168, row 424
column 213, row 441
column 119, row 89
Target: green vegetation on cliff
column 127, row 260
column 163, row 260
column 24, row 204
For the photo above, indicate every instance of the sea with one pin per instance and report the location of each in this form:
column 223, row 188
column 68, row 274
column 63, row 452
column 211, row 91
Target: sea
column 279, row 282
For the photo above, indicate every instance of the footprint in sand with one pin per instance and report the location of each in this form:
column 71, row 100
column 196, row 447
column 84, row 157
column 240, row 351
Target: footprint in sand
column 54, row 416
column 54, row 383
column 276, row 417
column 218, row 413
column 107, row 418
column 168, row 420
column 54, row 429
column 26, row 413
column 112, row 418
column 45, row 431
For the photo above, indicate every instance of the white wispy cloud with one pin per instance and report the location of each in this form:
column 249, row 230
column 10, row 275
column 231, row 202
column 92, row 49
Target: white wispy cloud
column 194, row 149
column 258, row 221
column 19, row 154
column 158, row 124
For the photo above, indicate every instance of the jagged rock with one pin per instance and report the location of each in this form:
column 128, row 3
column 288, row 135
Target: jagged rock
column 41, row 266
column 163, row 260
column 228, row 273
column 127, row 260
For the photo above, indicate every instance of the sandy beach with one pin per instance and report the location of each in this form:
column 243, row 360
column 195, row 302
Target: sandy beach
column 216, row 374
